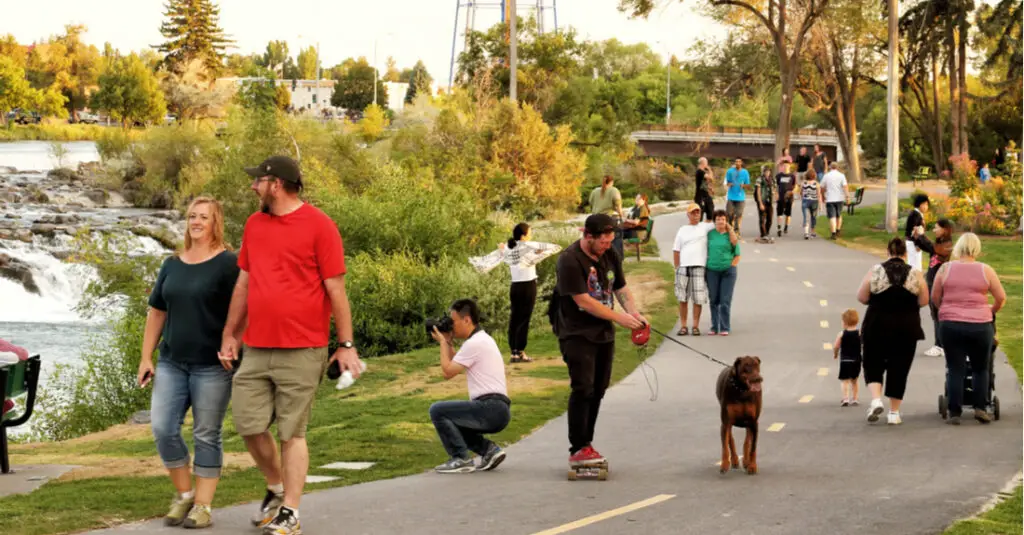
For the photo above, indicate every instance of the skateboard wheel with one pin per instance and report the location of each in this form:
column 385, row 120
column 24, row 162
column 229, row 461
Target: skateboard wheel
column 602, row 475
column 572, row 475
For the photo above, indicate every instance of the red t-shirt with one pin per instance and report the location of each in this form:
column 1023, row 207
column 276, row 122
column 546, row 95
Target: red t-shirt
column 288, row 258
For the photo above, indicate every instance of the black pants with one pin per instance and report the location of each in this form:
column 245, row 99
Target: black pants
column 765, row 218
column 590, row 371
column 890, row 361
column 929, row 277
column 965, row 340
column 706, row 203
column 523, row 296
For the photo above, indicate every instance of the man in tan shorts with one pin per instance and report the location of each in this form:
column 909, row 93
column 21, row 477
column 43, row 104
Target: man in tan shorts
column 291, row 281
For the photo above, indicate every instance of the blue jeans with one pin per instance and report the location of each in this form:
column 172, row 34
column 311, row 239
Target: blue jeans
column 461, row 424
column 207, row 390
column 810, row 212
column 720, row 287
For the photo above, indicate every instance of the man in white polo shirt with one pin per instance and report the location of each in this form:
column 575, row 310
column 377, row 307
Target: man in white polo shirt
column 461, row 424
column 690, row 257
column 836, row 195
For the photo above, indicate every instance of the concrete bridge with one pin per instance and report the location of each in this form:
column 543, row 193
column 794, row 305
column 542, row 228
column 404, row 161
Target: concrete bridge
column 726, row 142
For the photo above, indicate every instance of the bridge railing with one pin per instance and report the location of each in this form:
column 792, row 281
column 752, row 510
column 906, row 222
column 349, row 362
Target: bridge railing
column 733, row 131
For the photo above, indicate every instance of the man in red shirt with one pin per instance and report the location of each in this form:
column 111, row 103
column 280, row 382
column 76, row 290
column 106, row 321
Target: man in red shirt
column 292, row 278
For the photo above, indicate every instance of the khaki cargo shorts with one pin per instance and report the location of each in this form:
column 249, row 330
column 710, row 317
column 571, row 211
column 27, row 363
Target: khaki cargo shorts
column 276, row 385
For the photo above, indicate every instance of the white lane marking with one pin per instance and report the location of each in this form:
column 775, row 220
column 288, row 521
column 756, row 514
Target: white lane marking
column 773, row 259
column 790, row 268
column 808, row 284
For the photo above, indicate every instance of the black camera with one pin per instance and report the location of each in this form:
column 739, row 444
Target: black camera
column 444, row 324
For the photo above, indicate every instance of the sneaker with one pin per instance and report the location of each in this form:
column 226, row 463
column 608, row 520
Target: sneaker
column 492, row 458
column 585, row 456
column 786, row 230
column 780, row 233
column 806, row 236
column 180, row 506
column 935, row 351
column 854, row 403
column 982, row 416
column 456, row 465
column 845, row 403
column 833, row 236
column 953, row 420
column 875, row 410
column 284, row 523
column 268, row 509
column 894, row 418
column 201, row 516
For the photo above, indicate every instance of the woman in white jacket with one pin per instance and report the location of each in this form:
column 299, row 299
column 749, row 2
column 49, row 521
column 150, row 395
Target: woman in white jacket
column 522, row 256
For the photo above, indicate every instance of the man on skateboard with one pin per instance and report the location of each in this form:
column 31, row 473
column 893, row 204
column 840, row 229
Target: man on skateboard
column 589, row 274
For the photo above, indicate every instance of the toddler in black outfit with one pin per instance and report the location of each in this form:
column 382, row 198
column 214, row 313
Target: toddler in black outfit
column 847, row 351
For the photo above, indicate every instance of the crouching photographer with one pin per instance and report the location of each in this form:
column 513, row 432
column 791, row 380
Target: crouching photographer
column 461, row 425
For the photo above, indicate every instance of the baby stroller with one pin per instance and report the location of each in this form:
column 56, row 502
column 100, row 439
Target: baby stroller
column 993, row 404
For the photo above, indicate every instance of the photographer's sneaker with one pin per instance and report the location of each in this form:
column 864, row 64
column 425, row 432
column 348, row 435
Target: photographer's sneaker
column 285, row 523
column 268, row 509
column 875, row 410
column 456, row 465
column 492, row 458
column 180, row 506
column 935, row 351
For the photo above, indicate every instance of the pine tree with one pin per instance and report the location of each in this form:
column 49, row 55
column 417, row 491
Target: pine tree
column 192, row 30
column 419, row 82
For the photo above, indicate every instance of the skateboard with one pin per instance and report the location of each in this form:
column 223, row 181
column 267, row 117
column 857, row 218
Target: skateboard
column 597, row 471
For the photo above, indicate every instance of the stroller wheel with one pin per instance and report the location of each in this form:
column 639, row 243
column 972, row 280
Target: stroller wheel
column 995, row 407
column 943, row 406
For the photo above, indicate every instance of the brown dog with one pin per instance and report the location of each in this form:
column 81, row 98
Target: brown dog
column 739, row 393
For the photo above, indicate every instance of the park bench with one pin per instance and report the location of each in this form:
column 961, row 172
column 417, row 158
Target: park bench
column 16, row 379
column 858, row 197
column 922, row 174
column 638, row 242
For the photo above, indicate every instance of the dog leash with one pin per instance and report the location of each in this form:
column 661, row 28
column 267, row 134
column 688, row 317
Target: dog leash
column 701, row 353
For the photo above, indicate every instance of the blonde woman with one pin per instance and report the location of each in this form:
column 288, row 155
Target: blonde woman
column 188, row 310
column 966, row 327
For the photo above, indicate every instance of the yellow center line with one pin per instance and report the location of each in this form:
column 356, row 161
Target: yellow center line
column 806, row 399
column 790, row 268
column 824, row 324
column 826, row 346
column 606, row 515
column 822, row 372
column 773, row 259
column 808, row 284
column 824, row 303
column 776, row 427
column 757, row 250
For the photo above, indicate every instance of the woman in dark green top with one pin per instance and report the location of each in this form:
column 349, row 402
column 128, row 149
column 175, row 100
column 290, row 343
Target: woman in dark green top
column 723, row 255
column 188, row 309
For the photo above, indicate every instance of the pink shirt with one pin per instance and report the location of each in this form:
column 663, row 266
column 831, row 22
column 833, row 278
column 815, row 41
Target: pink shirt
column 485, row 367
column 965, row 294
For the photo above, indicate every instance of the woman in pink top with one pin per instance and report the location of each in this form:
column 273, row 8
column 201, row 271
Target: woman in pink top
column 966, row 323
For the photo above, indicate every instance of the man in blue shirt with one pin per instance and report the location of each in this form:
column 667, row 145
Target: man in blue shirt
column 736, row 178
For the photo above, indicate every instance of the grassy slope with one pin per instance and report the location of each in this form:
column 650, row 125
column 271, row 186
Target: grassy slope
column 1004, row 255
column 382, row 418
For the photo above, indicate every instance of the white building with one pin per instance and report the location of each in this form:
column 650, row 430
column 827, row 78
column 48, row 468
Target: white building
column 396, row 95
column 313, row 95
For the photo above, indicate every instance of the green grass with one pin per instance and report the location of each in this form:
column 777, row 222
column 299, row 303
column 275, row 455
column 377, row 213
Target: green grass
column 382, row 418
column 1004, row 255
column 53, row 132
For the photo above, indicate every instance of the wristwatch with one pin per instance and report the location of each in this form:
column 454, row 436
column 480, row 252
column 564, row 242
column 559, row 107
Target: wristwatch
column 347, row 344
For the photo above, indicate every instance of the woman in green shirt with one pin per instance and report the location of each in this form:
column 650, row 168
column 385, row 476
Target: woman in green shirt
column 188, row 308
column 723, row 255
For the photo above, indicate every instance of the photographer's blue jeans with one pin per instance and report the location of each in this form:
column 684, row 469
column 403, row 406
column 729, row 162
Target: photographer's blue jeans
column 207, row 390
column 461, row 425
column 720, row 287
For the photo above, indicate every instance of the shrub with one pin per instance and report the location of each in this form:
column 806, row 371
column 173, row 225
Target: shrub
column 964, row 176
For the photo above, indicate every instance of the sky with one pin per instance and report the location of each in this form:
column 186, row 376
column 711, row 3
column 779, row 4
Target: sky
column 408, row 30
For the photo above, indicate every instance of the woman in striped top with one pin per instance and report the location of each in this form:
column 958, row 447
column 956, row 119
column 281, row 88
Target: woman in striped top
column 810, row 192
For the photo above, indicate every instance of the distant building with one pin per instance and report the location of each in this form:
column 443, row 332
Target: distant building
column 311, row 95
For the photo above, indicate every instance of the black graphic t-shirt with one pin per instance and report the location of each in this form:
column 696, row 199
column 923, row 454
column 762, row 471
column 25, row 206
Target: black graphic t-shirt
column 578, row 274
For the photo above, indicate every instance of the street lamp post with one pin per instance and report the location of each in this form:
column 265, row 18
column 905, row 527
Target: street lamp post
column 668, row 84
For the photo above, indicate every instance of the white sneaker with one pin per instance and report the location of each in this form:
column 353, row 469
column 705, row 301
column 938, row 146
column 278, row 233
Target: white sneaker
column 935, row 351
column 894, row 418
column 875, row 410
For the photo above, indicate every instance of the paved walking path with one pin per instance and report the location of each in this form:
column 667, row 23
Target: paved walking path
column 824, row 469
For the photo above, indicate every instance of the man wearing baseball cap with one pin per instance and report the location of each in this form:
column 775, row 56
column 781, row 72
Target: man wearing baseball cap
column 690, row 256
column 291, row 281
column 589, row 278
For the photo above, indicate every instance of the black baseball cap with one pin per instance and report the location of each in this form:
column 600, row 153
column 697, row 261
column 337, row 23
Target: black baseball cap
column 281, row 167
column 598, row 224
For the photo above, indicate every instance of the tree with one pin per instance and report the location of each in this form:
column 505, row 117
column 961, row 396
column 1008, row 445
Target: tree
column 194, row 94
column 391, row 73
column 373, row 123
column 129, row 92
column 419, row 82
column 1000, row 36
column 275, row 57
column 242, row 65
column 354, row 88
column 307, row 64
column 15, row 91
column 841, row 57
column 192, row 31
column 282, row 97
column 83, row 64
column 786, row 26
column 10, row 48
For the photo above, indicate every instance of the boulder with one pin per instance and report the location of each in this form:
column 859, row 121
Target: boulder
column 64, row 174
column 48, row 230
column 97, row 196
column 7, row 170
column 13, row 269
